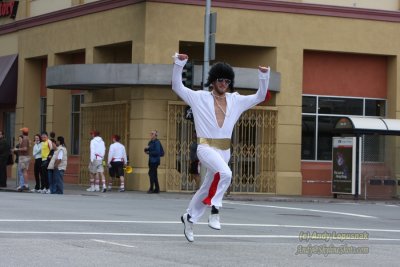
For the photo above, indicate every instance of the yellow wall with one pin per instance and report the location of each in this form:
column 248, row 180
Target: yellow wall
column 372, row 4
column 156, row 29
column 9, row 44
column 39, row 7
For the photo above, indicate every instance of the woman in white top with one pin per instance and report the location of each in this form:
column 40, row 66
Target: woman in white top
column 37, row 155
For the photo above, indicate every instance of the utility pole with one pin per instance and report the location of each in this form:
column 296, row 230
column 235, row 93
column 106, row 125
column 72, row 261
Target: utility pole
column 206, row 64
column 206, row 60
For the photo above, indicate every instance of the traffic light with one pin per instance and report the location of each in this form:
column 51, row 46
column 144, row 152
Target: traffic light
column 187, row 74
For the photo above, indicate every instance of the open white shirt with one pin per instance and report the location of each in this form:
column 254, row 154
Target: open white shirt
column 202, row 104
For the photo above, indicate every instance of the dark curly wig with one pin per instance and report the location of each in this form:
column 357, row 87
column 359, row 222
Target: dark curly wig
column 221, row 70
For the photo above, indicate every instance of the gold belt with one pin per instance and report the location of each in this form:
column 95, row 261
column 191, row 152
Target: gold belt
column 223, row 143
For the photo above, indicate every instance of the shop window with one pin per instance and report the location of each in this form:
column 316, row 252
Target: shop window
column 324, row 145
column 319, row 118
column 308, row 137
column 309, row 104
column 375, row 107
column 77, row 100
column 343, row 106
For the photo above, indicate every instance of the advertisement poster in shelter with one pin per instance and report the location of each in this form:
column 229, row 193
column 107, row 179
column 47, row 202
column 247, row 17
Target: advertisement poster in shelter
column 343, row 165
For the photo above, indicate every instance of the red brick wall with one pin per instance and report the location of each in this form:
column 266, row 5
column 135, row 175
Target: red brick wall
column 338, row 74
column 344, row 74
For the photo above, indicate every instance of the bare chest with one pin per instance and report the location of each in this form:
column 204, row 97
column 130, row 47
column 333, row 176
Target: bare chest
column 220, row 110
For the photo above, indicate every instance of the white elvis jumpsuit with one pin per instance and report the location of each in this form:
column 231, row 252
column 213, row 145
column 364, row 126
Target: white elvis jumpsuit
column 219, row 175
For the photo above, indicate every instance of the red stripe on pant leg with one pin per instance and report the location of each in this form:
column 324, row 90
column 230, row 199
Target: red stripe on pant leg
column 212, row 190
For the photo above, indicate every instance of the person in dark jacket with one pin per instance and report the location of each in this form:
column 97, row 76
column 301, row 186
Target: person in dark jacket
column 4, row 154
column 153, row 149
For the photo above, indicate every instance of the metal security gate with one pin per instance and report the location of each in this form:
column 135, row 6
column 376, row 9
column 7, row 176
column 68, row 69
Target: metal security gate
column 108, row 118
column 253, row 151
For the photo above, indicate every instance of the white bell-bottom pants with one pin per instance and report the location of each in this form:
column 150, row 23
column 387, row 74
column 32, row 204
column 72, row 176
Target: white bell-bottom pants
column 216, row 181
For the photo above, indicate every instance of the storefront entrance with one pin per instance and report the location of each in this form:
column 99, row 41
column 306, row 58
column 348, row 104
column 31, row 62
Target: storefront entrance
column 108, row 118
column 253, row 151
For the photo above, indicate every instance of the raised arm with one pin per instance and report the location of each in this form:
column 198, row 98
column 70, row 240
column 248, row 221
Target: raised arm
column 249, row 101
column 177, row 85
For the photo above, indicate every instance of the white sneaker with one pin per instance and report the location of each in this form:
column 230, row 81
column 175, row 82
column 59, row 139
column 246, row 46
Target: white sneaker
column 97, row 188
column 34, row 190
column 213, row 222
column 48, row 191
column 188, row 227
column 90, row 189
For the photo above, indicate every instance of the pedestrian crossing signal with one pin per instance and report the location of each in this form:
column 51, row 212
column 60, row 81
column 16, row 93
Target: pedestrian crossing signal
column 187, row 75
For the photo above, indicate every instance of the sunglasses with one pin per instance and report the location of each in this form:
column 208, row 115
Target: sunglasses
column 227, row 81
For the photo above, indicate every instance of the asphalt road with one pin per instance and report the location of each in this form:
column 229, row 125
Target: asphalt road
column 137, row 229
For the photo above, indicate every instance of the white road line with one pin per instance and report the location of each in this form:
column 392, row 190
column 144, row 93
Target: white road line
column 88, row 221
column 166, row 235
column 113, row 243
column 302, row 209
column 315, row 227
column 203, row 223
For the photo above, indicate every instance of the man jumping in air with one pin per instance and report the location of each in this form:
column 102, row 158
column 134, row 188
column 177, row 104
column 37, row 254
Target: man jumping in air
column 215, row 113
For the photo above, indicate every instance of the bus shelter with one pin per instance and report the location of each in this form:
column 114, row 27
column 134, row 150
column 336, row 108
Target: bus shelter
column 366, row 157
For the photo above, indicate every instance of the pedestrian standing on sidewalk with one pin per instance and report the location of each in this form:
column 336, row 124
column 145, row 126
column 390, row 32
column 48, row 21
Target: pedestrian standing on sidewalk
column 20, row 176
column 155, row 151
column 24, row 160
column 58, row 165
column 117, row 159
column 96, row 168
column 37, row 155
column 215, row 114
column 50, row 167
column 47, row 147
column 4, row 154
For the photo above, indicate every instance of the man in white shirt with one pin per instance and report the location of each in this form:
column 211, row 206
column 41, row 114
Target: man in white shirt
column 215, row 114
column 96, row 169
column 117, row 159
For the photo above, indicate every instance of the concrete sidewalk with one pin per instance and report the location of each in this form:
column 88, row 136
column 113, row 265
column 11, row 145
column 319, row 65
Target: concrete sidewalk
column 76, row 189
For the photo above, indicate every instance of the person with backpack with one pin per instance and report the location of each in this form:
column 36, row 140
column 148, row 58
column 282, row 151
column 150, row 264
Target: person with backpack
column 155, row 150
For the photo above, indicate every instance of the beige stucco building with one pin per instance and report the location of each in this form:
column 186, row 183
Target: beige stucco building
column 319, row 50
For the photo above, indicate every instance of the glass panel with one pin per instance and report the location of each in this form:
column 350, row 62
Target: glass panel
column 43, row 106
column 76, row 103
column 340, row 106
column 375, row 107
column 374, row 148
column 325, row 127
column 308, row 138
column 309, row 104
column 43, row 111
column 77, row 100
column 75, row 133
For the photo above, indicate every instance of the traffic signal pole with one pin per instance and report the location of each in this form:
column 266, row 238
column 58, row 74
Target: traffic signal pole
column 206, row 60
column 206, row 64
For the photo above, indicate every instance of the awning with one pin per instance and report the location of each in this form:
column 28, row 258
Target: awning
column 8, row 79
column 101, row 76
column 363, row 125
